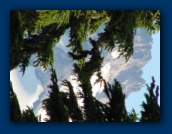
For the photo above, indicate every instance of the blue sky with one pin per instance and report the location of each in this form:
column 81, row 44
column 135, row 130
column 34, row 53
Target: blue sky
column 134, row 100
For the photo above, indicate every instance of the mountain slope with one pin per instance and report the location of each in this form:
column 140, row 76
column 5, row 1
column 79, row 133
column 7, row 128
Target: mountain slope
column 129, row 74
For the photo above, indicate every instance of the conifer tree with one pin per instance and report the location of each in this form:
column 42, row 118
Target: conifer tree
column 54, row 106
column 48, row 17
column 132, row 116
column 25, row 42
column 88, row 22
column 115, row 109
column 37, row 32
column 28, row 115
column 17, row 29
column 151, row 109
column 121, row 27
column 84, row 72
column 70, row 101
column 15, row 112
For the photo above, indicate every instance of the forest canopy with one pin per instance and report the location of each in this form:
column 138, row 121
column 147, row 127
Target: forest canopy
column 37, row 32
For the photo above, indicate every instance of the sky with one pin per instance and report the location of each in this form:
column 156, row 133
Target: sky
column 152, row 68
column 28, row 87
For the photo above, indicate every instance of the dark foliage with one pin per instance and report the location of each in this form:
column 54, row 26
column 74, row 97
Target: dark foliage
column 54, row 106
column 37, row 32
column 70, row 100
column 15, row 113
column 28, row 115
column 151, row 109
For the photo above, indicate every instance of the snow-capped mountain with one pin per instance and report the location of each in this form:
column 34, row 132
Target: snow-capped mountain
column 129, row 74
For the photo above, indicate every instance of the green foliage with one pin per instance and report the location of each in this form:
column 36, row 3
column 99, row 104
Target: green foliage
column 45, row 27
column 16, row 38
column 48, row 17
column 115, row 110
column 29, row 18
column 54, row 106
column 84, row 71
column 37, row 32
column 151, row 109
column 132, row 116
column 25, row 42
column 120, row 29
column 15, row 112
column 149, row 19
column 70, row 101
column 60, row 104
column 28, row 115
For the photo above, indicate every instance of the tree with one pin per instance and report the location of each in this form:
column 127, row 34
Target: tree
column 54, row 106
column 88, row 22
column 25, row 41
column 151, row 109
column 70, row 101
column 28, row 115
column 132, row 116
column 48, row 17
column 37, row 32
column 15, row 112
column 17, row 29
column 84, row 72
column 121, row 27
column 115, row 109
